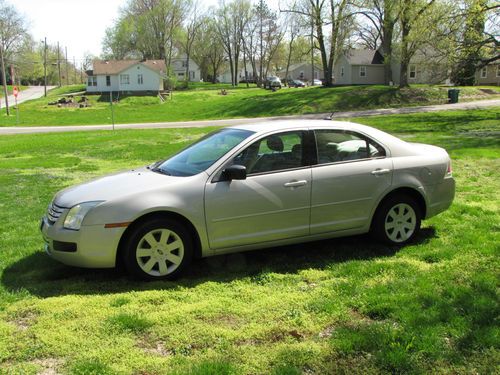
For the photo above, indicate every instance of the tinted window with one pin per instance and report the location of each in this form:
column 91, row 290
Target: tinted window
column 273, row 153
column 202, row 154
column 337, row 146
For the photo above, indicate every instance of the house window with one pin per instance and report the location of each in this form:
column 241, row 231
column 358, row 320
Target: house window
column 362, row 71
column 124, row 79
column 301, row 75
column 498, row 71
column 140, row 80
column 484, row 72
column 184, row 64
column 180, row 74
column 92, row 81
column 191, row 74
column 108, row 80
column 341, row 71
column 413, row 71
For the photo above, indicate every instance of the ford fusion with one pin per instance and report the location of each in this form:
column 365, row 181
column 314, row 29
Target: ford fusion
column 249, row 187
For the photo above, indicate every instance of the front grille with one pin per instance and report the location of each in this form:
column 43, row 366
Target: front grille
column 54, row 212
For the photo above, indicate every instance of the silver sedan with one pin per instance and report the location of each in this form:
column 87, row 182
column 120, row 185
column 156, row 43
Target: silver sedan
column 249, row 187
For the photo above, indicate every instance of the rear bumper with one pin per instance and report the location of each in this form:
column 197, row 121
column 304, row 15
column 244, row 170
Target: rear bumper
column 96, row 246
column 440, row 197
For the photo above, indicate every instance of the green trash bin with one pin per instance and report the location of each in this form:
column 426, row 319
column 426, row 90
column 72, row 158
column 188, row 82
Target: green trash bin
column 453, row 95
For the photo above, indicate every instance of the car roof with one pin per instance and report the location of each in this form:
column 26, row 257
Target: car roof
column 264, row 127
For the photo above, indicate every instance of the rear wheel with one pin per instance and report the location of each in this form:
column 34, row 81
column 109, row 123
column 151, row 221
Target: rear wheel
column 158, row 249
column 397, row 220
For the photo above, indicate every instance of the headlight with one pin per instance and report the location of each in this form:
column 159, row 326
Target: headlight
column 77, row 213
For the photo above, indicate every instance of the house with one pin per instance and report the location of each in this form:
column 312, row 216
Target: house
column 126, row 76
column 366, row 67
column 225, row 77
column 137, row 75
column 301, row 71
column 359, row 67
column 178, row 69
column 489, row 74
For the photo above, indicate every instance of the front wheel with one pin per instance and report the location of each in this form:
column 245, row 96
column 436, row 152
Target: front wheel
column 158, row 249
column 397, row 220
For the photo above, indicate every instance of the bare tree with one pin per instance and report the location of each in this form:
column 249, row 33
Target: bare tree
column 332, row 22
column 12, row 34
column 191, row 30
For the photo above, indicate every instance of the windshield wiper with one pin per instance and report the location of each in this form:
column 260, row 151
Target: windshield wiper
column 162, row 171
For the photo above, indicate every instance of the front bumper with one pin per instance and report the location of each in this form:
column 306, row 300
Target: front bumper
column 96, row 246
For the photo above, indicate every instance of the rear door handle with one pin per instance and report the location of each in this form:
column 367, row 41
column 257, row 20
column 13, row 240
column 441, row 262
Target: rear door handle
column 293, row 184
column 379, row 172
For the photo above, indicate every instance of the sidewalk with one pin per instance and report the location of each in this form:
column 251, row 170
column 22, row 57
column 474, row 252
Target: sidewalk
column 229, row 122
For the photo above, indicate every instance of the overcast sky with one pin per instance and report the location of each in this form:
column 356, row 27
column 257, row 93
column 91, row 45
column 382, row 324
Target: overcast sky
column 78, row 25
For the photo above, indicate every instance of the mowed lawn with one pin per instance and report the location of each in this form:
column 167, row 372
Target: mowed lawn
column 204, row 101
column 339, row 306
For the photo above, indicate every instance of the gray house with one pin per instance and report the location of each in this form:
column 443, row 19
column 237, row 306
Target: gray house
column 302, row 71
column 489, row 75
column 366, row 67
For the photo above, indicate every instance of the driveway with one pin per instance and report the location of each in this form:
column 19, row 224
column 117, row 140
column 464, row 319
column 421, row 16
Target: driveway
column 32, row 92
column 198, row 124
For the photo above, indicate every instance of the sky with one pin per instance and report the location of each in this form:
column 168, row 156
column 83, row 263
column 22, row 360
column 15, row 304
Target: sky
column 79, row 25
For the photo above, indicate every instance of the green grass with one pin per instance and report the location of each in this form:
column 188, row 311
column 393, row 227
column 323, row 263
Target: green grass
column 340, row 306
column 204, row 102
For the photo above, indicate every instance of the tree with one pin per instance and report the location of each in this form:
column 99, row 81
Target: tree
column 382, row 17
column 208, row 49
column 12, row 34
column 476, row 42
column 331, row 22
column 415, row 17
column 231, row 20
column 190, row 33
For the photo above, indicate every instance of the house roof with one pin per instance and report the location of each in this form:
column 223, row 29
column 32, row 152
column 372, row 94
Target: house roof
column 299, row 65
column 111, row 67
column 363, row 57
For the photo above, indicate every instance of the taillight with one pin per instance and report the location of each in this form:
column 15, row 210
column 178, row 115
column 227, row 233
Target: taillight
column 449, row 170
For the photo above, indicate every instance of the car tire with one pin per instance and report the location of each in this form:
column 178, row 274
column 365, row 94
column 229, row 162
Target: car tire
column 397, row 220
column 158, row 249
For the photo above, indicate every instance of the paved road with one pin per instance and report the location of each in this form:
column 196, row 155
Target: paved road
column 32, row 92
column 198, row 124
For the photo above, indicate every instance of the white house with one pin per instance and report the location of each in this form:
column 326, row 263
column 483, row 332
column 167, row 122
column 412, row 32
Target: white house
column 126, row 75
column 136, row 75
column 178, row 68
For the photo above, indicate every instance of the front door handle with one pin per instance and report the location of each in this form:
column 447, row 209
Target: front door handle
column 379, row 172
column 293, row 184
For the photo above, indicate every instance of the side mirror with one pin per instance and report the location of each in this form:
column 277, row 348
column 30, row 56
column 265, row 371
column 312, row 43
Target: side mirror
column 234, row 172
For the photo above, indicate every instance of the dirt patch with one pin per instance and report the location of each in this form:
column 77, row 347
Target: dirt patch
column 50, row 366
column 489, row 91
column 24, row 319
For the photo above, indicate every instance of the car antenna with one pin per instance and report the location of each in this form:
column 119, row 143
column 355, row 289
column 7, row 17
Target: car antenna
column 330, row 117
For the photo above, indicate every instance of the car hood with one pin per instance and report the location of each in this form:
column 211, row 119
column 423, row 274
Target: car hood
column 113, row 186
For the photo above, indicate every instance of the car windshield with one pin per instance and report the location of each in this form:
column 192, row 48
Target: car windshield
column 201, row 155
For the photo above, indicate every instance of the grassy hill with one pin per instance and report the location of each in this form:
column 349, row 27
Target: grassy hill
column 205, row 102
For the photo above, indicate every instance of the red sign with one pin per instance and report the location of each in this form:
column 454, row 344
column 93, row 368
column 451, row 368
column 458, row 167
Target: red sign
column 15, row 91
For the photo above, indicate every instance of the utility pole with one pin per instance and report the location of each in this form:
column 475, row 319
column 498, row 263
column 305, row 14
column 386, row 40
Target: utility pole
column 59, row 63
column 45, row 67
column 261, row 6
column 66, row 55
column 312, row 49
column 74, row 70
column 4, row 81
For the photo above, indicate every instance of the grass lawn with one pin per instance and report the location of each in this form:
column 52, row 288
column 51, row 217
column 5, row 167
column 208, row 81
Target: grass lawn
column 339, row 306
column 204, row 102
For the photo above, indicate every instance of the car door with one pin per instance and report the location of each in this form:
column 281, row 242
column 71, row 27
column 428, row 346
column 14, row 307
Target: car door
column 272, row 203
column 351, row 173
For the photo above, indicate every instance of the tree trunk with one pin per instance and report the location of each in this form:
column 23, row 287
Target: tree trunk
column 387, row 35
